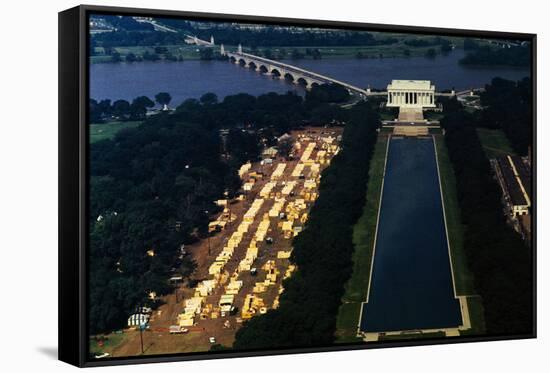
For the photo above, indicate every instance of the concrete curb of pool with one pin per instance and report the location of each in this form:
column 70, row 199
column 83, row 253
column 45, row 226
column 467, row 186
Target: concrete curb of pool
column 463, row 299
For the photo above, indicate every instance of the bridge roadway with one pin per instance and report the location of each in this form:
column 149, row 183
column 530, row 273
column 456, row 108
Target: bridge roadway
column 296, row 74
column 309, row 78
column 299, row 75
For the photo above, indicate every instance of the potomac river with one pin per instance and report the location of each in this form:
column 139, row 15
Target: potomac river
column 193, row 78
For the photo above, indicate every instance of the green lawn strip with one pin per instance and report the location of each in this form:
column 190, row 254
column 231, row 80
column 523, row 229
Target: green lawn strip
column 464, row 280
column 102, row 131
column 363, row 239
column 494, row 142
column 110, row 342
column 191, row 52
column 346, row 322
column 477, row 319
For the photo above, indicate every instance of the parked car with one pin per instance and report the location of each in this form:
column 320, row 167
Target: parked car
column 176, row 329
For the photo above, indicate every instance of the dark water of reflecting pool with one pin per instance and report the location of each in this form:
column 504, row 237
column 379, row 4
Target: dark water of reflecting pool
column 411, row 284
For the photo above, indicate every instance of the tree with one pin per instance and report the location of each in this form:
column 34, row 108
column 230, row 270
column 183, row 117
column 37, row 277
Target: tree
column 316, row 54
column 148, row 56
column 206, row 54
column 121, row 109
column 161, row 50
column 470, row 44
column 96, row 115
column 497, row 256
column 138, row 108
column 446, row 48
column 144, row 101
column 285, row 145
column 163, row 98
column 296, row 54
column 431, row 53
column 115, row 57
column 209, row 99
column 130, row 57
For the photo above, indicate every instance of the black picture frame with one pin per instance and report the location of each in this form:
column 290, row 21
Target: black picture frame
column 74, row 191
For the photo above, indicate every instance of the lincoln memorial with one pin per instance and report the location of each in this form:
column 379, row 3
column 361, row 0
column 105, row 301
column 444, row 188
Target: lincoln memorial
column 415, row 94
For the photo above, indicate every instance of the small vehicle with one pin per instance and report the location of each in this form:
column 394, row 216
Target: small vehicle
column 269, row 240
column 176, row 329
column 145, row 310
column 212, row 340
column 253, row 271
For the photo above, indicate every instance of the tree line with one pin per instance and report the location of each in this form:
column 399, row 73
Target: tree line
column 508, row 106
column 497, row 256
column 132, row 33
column 122, row 110
column 322, row 252
column 152, row 189
column 517, row 56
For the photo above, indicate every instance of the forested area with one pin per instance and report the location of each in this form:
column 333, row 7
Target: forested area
column 519, row 56
column 132, row 33
column 273, row 37
column 497, row 256
column 309, row 305
column 151, row 187
column 508, row 106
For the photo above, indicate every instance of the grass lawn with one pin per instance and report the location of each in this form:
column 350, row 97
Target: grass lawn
column 464, row 280
column 102, row 131
column 477, row 318
column 494, row 142
column 111, row 341
column 191, row 52
column 363, row 239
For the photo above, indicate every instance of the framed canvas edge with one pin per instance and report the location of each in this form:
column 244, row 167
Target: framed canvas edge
column 80, row 288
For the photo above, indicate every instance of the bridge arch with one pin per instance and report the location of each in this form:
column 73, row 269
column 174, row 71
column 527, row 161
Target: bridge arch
column 242, row 62
column 289, row 77
column 232, row 59
column 252, row 65
column 303, row 82
column 275, row 72
column 263, row 69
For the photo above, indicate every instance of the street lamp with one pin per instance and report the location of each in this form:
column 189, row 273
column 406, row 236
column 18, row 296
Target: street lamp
column 226, row 194
column 208, row 234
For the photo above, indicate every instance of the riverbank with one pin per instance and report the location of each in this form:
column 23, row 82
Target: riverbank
column 193, row 78
column 183, row 52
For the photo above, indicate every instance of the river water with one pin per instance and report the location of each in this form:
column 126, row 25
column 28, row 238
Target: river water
column 192, row 78
column 411, row 284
